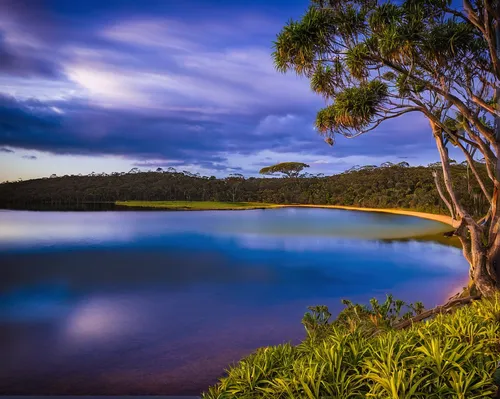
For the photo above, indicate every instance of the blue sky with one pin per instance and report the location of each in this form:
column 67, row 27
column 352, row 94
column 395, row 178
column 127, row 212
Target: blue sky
column 110, row 85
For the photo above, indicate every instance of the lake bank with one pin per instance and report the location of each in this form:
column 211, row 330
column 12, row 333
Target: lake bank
column 430, row 216
column 219, row 206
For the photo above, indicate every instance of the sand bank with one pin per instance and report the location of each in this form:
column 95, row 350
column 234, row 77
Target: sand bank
column 438, row 218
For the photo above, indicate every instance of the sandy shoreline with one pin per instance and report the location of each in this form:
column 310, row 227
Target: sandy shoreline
column 438, row 218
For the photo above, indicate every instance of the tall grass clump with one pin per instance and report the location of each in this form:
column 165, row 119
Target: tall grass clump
column 362, row 354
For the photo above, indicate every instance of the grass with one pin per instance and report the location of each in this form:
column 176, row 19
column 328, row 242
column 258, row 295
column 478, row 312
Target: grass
column 361, row 355
column 196, row 205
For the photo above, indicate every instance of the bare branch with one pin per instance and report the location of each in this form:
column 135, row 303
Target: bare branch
column 441, row 194
column 472, row 165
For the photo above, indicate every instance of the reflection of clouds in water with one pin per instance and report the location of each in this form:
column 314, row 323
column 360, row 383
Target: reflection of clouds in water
column 427, row 255
column 37, row 233
column 34, row 303
column 100, row 318
column 431, row 254
column 23, row 228
column 32, row 309
column 299, row 243
column 63, row 227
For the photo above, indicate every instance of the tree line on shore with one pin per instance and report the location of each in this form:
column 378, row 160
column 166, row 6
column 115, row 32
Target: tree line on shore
column 386, row 186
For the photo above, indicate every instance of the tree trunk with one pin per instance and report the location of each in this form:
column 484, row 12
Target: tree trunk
column 441, row 194
column 481, row 265
column 482, row 254
column 494, row 233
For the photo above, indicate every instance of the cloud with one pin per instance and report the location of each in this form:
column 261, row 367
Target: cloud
column 320, row 161
column 26, row 64
column 31, row 157
column 181, row 138
column 6, row 150
column 277, row 123
column 164, row 91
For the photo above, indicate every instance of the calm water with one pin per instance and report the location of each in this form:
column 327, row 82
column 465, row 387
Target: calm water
column 162, row 302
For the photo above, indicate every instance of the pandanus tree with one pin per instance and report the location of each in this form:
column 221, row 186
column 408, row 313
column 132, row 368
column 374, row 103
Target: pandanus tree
column 374, row 61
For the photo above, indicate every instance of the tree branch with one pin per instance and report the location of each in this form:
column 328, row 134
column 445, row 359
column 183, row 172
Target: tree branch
column 441, row 194
column 445, row 163
column 472, row 165
column 438, row 309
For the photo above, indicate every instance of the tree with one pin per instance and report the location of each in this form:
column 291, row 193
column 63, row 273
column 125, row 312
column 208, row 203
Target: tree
column 376, row 61
column 289, row 169
column 234, row 182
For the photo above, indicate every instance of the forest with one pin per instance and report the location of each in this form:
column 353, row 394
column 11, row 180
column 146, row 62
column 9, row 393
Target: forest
column 385, row 186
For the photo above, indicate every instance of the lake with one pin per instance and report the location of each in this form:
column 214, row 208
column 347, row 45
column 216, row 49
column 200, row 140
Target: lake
column 162, row 302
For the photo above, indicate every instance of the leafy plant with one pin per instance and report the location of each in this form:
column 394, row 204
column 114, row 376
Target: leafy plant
column 452, row 356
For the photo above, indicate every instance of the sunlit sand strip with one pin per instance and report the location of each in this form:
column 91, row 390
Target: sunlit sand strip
column 438, row 218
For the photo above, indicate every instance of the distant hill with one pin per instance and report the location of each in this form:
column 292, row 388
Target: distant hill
column 395, row 186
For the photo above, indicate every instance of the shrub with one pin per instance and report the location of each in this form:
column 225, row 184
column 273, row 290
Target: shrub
column 452, row 356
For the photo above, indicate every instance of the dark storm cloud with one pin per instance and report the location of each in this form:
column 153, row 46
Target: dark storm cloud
column 93, row 131
column 18, row 63
column 174, row 139
column 177, row 138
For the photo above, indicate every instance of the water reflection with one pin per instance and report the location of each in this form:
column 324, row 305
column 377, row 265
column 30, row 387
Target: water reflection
column 161, row 303
column 28, row 229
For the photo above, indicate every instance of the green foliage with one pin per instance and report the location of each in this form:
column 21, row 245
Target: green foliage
column 377, row 316
column 451, row 356
column 354, row 108
column 356, row 61
column 290, row 169
column 195, row 205
column 377, row 60
column 299, row 42
column 384, row 16
column 316, row 321
column 324, row 78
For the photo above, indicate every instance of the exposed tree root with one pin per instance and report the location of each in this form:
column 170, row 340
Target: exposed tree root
column 450, row 305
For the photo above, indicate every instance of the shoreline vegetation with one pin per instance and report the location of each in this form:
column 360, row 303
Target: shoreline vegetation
column 382, row 350
column 384, row 187
column 197, row 205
